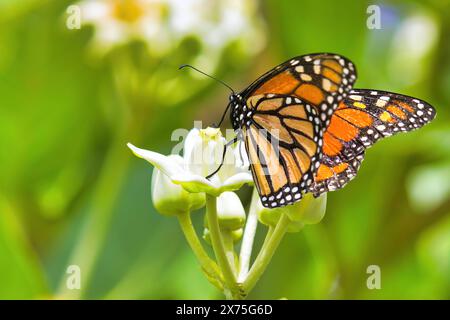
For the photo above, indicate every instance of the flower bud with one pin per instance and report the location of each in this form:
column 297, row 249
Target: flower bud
column 171, row 199
column 230, row 212
column 235, row 234
column 309, row 210
column 270, row 217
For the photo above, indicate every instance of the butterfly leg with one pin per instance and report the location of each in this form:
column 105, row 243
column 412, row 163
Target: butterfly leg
column 239, row 136
column 229, row 143
column 241, row 155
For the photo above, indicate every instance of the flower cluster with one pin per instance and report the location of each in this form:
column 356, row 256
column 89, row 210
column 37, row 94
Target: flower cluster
column 179, row 186
column 163, row 24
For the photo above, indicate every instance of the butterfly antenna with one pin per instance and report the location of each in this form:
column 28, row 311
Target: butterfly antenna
column 223, row 115
column 209, row 76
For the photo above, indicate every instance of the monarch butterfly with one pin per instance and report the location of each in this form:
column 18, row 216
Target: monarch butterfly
column 306, row 130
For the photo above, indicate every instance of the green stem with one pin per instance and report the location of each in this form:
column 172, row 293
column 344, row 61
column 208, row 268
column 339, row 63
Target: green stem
column 228, row 295
column 247, row 243
column 268, row 235
column 218, row 245
column 208, row 265
column 229, row 248
column 266, row 253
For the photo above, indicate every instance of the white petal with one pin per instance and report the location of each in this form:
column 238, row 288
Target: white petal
column 192, row 138
column 203, row 150
column 110, row 32
column 94, row 11
column 237, row 181
column 170, row 165
column 193, row 158
column 229, row 168
column 196, row 183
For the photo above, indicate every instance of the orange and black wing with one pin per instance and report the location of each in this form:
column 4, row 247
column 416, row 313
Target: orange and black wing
column 321, row 80
column 283, row 139
column 361, row 119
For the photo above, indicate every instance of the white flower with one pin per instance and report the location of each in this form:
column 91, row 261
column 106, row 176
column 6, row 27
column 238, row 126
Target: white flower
column 117, row 22
column 216, row 24
column 202, row 155
column 162, row 24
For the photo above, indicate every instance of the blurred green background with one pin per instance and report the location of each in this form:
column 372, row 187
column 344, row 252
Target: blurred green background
column 72, row 193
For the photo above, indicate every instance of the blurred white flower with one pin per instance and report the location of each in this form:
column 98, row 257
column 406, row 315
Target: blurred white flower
column 412, row 43
column 203, row 151
column 428, row 186
column 162, row 24
column 119, row 21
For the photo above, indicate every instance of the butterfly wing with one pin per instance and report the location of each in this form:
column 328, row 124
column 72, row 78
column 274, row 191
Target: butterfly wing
column 361, row 119
column 321, row 80
column 283, row 140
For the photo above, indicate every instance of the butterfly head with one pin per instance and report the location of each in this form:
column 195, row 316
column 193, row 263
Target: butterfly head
column 238, row 111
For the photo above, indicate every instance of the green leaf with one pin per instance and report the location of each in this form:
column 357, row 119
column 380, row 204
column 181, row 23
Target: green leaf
column 22, row 277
